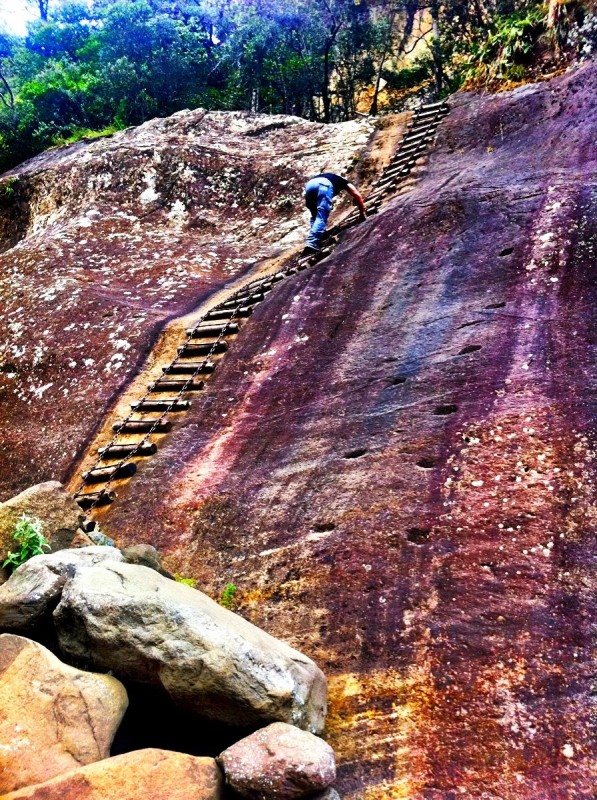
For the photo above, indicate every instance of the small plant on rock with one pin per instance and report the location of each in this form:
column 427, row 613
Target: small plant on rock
column 192, row 582
column 7, row 186
column 227, row 598
column 31, row 540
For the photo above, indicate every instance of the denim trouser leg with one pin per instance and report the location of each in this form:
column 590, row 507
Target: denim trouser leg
column 319, row 197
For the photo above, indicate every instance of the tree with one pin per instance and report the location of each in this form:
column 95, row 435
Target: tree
column 42, row 7
column 7, row 98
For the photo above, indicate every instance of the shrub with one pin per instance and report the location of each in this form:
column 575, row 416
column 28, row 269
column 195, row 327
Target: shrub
column 192, row 582
column 31, row 540
column 227, row 597
column 506, row 49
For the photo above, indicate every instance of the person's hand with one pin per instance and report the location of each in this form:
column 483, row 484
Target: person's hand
column 362, row 216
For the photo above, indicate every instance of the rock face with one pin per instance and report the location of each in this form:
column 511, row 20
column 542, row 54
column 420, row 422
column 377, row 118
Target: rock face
column 149, row 629
column 279, row 762
column 33, row 590
column 396, row 465
column 102, row 243
column 142, row 775
column 53, row 718
column 49, row 502
column 146, row 556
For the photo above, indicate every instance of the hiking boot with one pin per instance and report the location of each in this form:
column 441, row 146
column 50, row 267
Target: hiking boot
column 311, row 251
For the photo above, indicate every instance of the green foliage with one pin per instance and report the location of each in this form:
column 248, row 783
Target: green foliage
column 102, row 65
column 227, row 598
column 105, row 64
column 192, row 582
column 87, row 133
column 32, row 542
column 409, row 77
column 7, row 186
column 506, row 47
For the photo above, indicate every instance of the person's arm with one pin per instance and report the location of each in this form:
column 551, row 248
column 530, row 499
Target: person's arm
column 358, row 200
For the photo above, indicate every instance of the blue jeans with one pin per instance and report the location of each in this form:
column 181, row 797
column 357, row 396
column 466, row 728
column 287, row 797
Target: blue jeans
column 319, row 199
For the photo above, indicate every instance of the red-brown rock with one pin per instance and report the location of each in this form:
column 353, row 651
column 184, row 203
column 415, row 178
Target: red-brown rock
column 396, row 465
column 279, row 762
column 102, row 243
column 395, row 462
column 141, row 775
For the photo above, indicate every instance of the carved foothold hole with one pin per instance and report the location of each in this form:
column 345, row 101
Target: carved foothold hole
column 468, row 324
column 425, row 463
column 444, row 410
column 324, row 527
column 357, row 453
column 506, row 251
column 418, row 535
column 470, row 348
column 398, row 380
column 495, row 305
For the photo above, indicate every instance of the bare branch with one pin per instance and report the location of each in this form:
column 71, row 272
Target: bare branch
column 420, row 38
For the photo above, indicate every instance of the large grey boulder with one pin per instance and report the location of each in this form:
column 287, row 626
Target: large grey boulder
column 53, row 718
column 146, row 628
column 34, row 588
column 60, row 515
column 279, row 762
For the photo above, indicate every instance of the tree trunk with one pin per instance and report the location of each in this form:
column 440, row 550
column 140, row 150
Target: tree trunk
column 436, row 52
column 325, row 89
column 6, row 95
column 373, row 110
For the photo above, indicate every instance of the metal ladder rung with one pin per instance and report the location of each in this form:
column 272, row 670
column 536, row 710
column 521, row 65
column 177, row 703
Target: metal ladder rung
column 143, row 426
column 190, row 367
column 122, row 450
column 203, row 349
column 205, row 331
column 89, row 499
column 105, row 474
column 161, row 405
column 166, row 385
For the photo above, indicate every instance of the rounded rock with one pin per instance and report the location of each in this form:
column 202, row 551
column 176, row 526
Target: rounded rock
column 279, row 762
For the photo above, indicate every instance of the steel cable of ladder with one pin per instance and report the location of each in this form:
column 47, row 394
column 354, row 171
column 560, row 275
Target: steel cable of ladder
column 155, row 423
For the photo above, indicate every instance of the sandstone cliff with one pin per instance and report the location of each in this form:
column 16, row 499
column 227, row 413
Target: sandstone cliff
column 395, row 462
column 102, row 243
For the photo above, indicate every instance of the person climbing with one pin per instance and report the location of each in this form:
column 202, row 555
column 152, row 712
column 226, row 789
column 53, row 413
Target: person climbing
column 319, row 199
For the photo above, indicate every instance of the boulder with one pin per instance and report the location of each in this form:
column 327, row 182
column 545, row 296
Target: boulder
column 99, row 538
column 140, row 775
column 279, row 762
column 53, row 718
column 81, row 539
column 61, row 516
column 329, row 794
column 146, row 556
column 143, row 627
column 34, row 588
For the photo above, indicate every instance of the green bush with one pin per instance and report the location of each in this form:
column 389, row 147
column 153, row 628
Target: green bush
column 31, row 540
column 192, row 582
column 227, row 598
column 507, row 47
column 7, row 187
